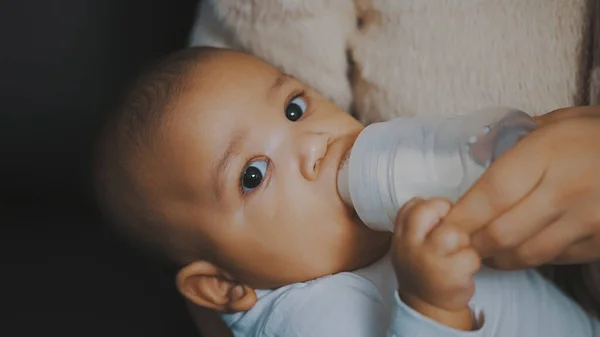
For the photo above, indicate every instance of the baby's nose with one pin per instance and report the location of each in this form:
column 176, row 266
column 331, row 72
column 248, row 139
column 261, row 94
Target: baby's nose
column 313, row 148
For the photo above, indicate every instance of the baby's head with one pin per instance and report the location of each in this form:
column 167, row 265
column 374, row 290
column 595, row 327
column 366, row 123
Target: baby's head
column 227, row 167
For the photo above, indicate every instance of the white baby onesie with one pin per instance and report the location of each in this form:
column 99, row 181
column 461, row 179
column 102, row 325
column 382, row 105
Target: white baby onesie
column 365, row 304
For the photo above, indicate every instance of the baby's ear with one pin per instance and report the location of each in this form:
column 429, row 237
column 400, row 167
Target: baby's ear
column 207, row 285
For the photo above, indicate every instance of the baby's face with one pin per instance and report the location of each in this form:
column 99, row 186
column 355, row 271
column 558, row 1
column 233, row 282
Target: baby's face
column 255, row 154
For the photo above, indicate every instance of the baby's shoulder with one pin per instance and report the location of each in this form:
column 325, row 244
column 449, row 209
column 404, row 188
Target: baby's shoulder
column 325, row 289
column 343, row 304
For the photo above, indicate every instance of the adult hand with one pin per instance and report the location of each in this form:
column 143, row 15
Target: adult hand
column 540, row 201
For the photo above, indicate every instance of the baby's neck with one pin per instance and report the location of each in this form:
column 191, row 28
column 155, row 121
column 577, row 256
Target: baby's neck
column 377, row 255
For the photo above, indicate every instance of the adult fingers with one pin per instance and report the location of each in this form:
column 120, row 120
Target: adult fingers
column 521, row 222
column 444, row 240
column 510, row 178
column 585, row 218
column 560, row 114
column 584, row 251
column 544, row 247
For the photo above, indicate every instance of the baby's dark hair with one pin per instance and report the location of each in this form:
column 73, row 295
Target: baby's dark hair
column 131, row 132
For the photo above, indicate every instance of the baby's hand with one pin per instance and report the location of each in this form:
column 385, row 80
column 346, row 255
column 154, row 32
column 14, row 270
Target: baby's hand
column 434, row 264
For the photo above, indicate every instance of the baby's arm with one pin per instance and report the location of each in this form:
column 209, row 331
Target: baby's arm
column 434, row 266
column 520, row 303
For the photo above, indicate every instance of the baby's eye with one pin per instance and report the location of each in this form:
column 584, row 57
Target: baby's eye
column 295, row 108
column 253, row 175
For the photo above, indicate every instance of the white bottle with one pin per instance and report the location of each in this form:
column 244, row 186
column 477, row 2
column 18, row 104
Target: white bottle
column 395, row 161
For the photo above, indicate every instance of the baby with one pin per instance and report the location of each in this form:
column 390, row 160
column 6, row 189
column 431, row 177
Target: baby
column 227, row 168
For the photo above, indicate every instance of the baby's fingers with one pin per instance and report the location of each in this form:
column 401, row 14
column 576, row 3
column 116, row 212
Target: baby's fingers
column 447, row 239
column 464, row 264
column 460, row 269
column 402, row 216
column 456, row 271
column 419, row 217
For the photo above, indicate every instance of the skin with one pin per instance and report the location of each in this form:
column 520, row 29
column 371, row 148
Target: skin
column 434, row 268
column 434, row 265
column 543, row 212
column 292, row 227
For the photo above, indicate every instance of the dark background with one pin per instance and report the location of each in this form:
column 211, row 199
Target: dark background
column 62, row 63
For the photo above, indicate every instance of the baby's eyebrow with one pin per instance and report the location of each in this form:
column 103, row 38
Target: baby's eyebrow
column 280, row 80
column 223, row 165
